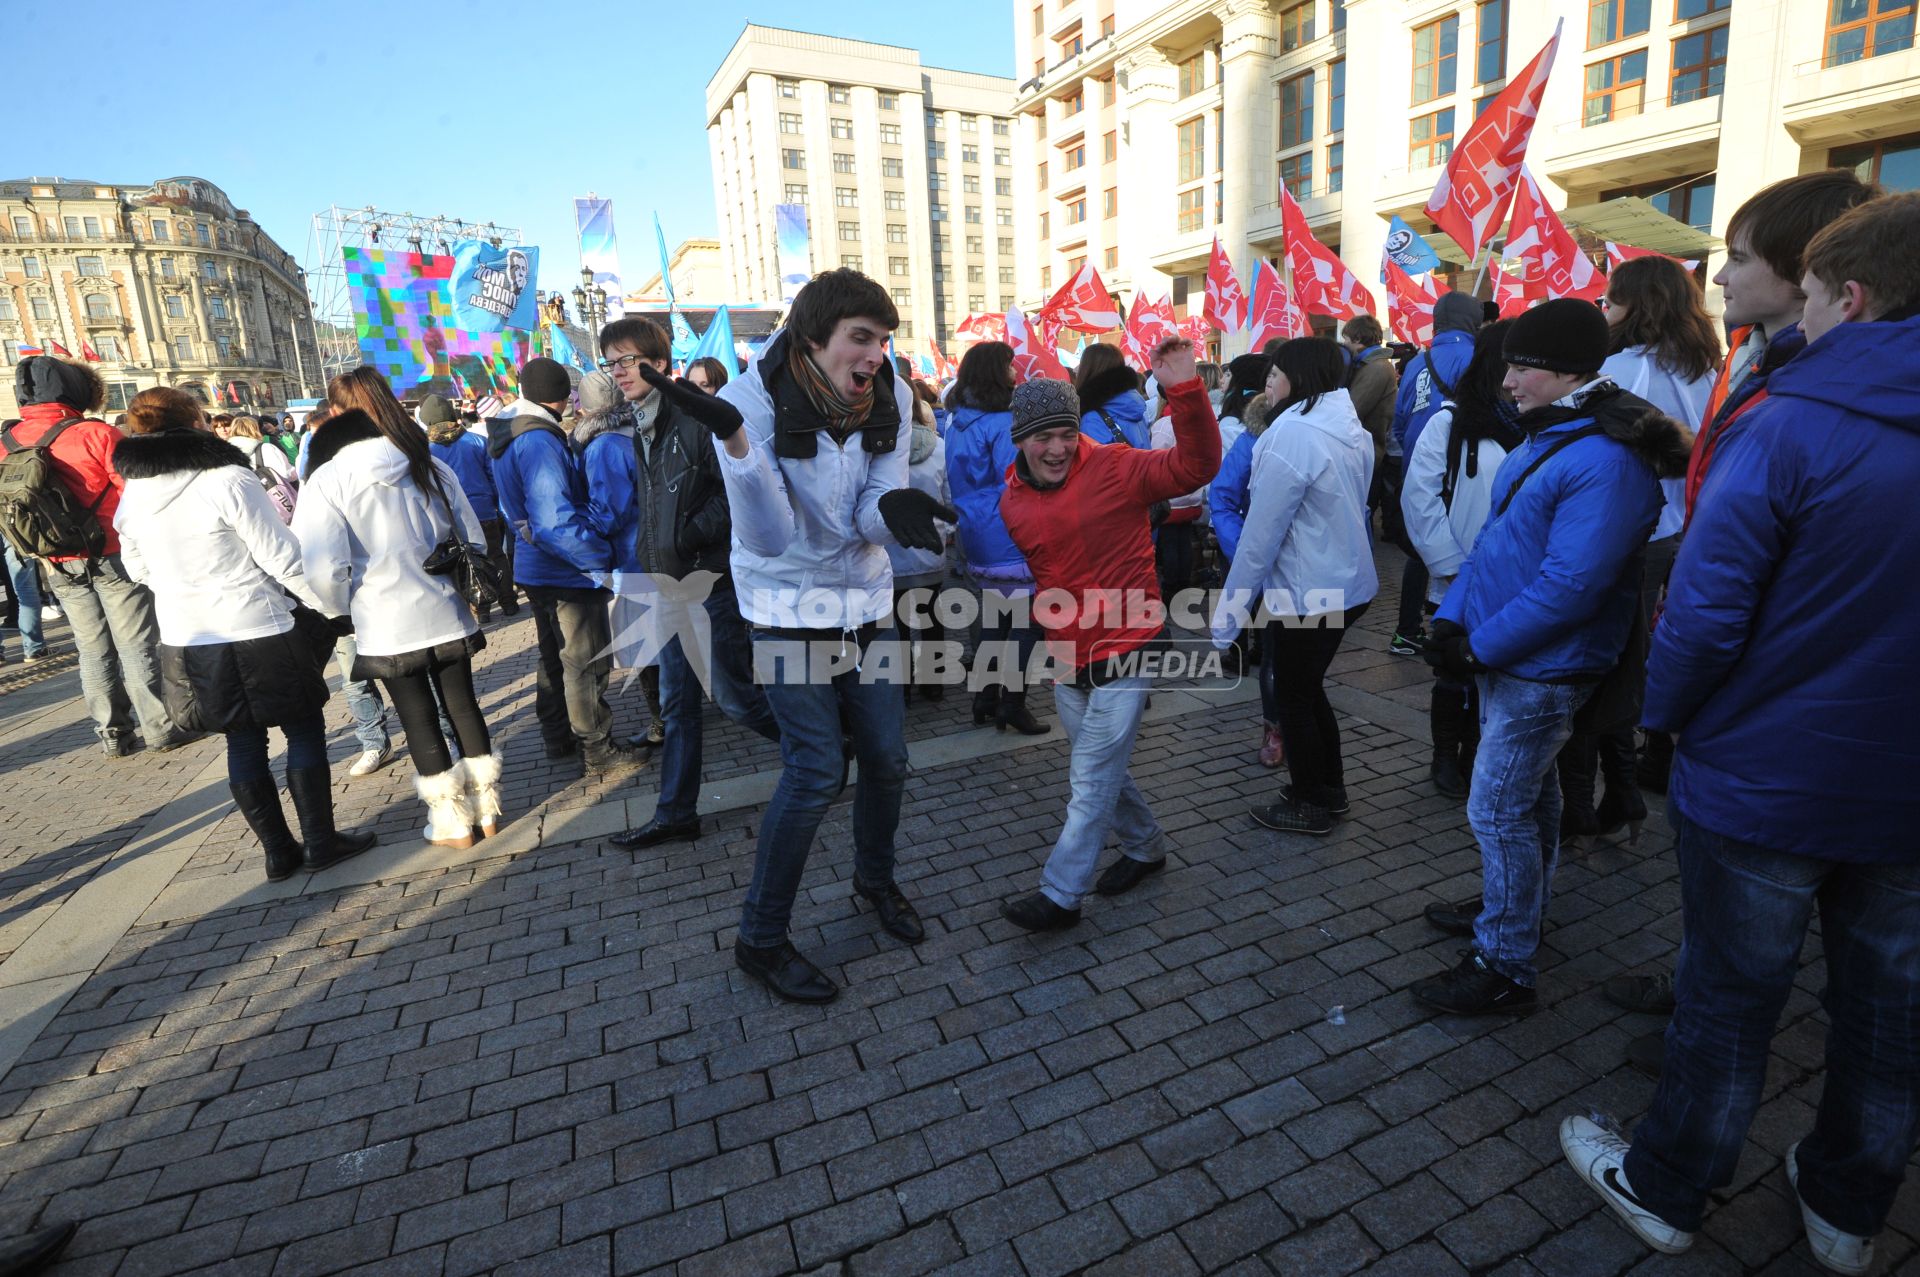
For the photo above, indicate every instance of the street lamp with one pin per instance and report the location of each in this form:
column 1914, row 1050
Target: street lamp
column 590, row 303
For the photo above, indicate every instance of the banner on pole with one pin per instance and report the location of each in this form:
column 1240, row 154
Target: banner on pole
column 790, row 249
column 598, row 250
column 493, row 287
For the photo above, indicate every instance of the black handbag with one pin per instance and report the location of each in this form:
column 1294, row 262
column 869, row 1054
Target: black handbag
column 473, row 576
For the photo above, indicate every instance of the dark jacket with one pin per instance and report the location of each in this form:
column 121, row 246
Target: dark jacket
column 543, row 497
column 1553, row 584
column 1115, row 392
column 1785, row 658
column 684, row 523
column 1372, row 382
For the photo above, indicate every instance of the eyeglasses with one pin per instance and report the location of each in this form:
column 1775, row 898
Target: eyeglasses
column 623, row 363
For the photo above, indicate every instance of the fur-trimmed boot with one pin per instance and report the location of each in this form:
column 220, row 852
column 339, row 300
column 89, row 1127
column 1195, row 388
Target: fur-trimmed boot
column 449, row 814
column 483, row 791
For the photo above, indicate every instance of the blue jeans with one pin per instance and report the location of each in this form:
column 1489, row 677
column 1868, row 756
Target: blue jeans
column 1101, row 722
column 247, row 749
column 1514, row 810
column 730, row 681
column 363, row 698
column 808, row 710
column 24, row 580
column 1746, row 910
column 111, row 617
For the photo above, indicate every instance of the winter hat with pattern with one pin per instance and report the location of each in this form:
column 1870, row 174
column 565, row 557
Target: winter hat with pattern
column 1043, row 404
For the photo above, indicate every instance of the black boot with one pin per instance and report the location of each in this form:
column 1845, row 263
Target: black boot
column 259, row 802
column 1015, row 714
column 312, row 790
column 986, row 704
column 1445, row 710
column 1656, row 760
column 1621, row 806
column 1578, row 761
column 608, row 754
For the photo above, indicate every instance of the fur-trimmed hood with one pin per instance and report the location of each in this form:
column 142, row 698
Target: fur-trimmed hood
column 336, row 433
column 1104, row 386
column 173, row 452
column 1653, row 436
column 51, row 379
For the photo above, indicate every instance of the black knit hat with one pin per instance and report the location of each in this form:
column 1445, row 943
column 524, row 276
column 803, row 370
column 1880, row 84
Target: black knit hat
column 1562, row 335
column 435, row 411
column 546, row 382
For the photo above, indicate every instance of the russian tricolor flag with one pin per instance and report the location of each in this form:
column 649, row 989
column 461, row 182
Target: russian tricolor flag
column 23, row 350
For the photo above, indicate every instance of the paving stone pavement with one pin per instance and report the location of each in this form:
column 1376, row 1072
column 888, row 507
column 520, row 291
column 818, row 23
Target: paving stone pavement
column 544, row 1062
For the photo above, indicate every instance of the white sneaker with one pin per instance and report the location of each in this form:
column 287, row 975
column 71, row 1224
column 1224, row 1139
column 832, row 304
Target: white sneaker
column 1595, row 1154
column 1837, row 1252
column 371, row 761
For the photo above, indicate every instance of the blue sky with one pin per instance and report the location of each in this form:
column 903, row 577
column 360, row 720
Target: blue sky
column 468, row 108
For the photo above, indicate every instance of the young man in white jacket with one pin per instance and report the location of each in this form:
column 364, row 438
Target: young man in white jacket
column 813, row 449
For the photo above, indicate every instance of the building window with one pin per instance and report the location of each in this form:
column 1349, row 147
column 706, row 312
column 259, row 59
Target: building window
column 896, row 233
column 1339, row 8
column 897, row 266
column 1336, row 96
column 1689, row 201
column 853, row 261
column 224, row 344
column 108, row 348
column 1336, row 162
column 846, row 197
column 1006, row 274
column 31, row 265
column 183, row 349
column 934, row 121
column 1684, row 9
column 839, row 94
column 889, row 101
column 973, row 215
column 1106, row 88
column 7, row 311
column 1893, row 162
column 1192, row 150
column 901, row 297
column 1296, row 174
column 1003, row 217
column 1046, row 279
column 976, row 302
column 787, row 88
column 1106, row 26
column 936, row 180
column 1039, row 19
column 23, row 227
column 1110, row 202
column 1110, row 260
column 1043, row 177
column 1490, row 48
column 217, row 307
column 896, row 201
column 90, row 265
column 1699, row 65
column 1610, row 20
column 1430, row 140
column 1296, row 110
column 1002, row 157
column 159, row 231
column 796, row 193
column 73, row 227
column 1192, row 210
column 176, row 306
column 1296, row 25
column 1859, row 29
column 1002, row 129
column 842, row 129
column 970, row 184
column 890, row 134
column 936, row 212
column 1072, row 47
column 893, row 166
column 1616, row 88
column 936, row 150
column 969, row 124
column 976, row 274
column 1076, row 211
column 789, row 121
column 1003, row 186
column 1006, row 301
column 975, row 244
column 1436, row 48
column 1109, row 147
column 200, row 234
column 100, row 306
column 1039, row 119
column 42, row 310
column 842, row 162
column 793, row 157
column 1193, row 75
column 850, row 231
column 969, row 155
column 206, row 269
column 1046, row 226
column 1075, row 104
column 1076, row 157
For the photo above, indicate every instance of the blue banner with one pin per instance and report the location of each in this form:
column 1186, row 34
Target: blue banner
column 1409, row 252
column 493, row 287
column 599, row 251
column 717, row 341
column 683, row 339
column 790, row 249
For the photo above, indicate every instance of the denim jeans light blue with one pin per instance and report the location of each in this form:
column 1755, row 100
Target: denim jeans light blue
column 114, row 633
column 1746, row 910
column 363, row 698
column 730, row 679
column 808, row 711
column 1514, row 810
column 24, row 582
column 1101, row 723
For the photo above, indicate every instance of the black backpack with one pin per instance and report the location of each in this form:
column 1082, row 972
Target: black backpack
column 40, row 516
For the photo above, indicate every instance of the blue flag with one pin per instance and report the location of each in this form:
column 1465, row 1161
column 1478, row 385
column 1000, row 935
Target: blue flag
column 564, row 351
column 493, row 288
column 717, row 341
column 1408, row 251
column 666, row 276
column 683, row 338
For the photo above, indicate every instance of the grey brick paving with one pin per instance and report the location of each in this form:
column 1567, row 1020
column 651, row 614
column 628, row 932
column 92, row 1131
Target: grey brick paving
column 545, row 1063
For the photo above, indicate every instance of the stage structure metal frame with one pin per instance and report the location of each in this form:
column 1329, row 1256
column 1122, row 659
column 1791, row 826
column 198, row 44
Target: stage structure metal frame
column 339, row 228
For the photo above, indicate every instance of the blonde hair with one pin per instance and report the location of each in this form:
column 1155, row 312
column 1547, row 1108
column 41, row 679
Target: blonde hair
column 245, row 427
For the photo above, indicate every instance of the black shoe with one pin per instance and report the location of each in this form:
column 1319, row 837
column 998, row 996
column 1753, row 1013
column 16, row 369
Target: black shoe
column 167, row 744
column 1408, row 644
column 897, row 916
column 986, row 704
column 1293, row 817
column 1446, row 776
column 1645, row 994
column 1454, row 919
column 259, row 802
column 608, row 755
column 1338, row 806
column 1015, row 714
column 1037, row 913
column 784, row 971
column 657, row 831
column 1621, row 807
column 311, row 789
column 1125, row 874
column 568, row 748
column 1648, row 1054
column 1474, row 988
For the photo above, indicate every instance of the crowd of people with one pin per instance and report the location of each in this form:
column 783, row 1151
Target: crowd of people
column 1633, row 563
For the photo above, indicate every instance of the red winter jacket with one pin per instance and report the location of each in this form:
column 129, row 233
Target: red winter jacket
column 1089, row 537
column 82, row 457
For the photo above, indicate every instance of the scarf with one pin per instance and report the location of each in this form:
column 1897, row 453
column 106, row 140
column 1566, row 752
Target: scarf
column 842, row 416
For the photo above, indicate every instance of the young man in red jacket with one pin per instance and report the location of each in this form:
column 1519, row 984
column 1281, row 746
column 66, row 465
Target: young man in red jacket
column 1078, row 510
column 111, row 615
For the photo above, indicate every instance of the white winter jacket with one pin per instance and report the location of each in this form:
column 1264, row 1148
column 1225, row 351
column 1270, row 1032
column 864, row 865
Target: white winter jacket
column 809, row 545
column 929, row 475
column 211, row 547
column 262, row 455
column 364, row 531
column 1305, row 549
column 1636, row 371
column 1443, row 535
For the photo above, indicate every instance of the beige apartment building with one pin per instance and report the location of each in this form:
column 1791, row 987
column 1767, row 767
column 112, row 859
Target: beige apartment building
column 169, row 284
column 907, row 172
column 1145, row 129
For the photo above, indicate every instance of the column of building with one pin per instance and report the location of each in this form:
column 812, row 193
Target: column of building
column 1247, row 49
column 1147, row 94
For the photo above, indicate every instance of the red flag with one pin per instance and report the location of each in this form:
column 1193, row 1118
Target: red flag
column 983, row 328
column 1197, row 329
column 1508, row 292
column 1032, row 357
column 1275, row 313
column 233, row 394
column 1471, row 198
column 88, row 353
column 1617, row 253
column 58, row 349
column 1148, row 324
column 1321, row 281
column 1083, row 304
column 941, row 368
column 1554, row 264
column 1226, row 307
column 1410, row 303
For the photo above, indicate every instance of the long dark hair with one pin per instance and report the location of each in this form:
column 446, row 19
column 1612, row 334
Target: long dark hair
column 1246, row 377
column 1095, row 359
column 1481, row 409
column 1313, row 366
column 364, row 388
column 985, row 379
column 1664, row 314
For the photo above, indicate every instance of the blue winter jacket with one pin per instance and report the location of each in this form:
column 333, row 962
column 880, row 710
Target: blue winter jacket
column 468, row 458
column 1551, row 586
column 1228, row 495
column 1420, row 394
column 543, row 496
column 1785, row 658
column 612, row 472
column 1129, row 413
column 979, row 450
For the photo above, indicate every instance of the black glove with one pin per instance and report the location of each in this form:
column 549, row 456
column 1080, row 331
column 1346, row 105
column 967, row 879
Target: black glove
column 711, row 411
column 1450, row 652
column 910, row 513
column 340, row 625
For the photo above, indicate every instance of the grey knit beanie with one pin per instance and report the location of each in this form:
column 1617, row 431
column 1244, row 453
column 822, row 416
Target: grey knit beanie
column 1043, row 404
